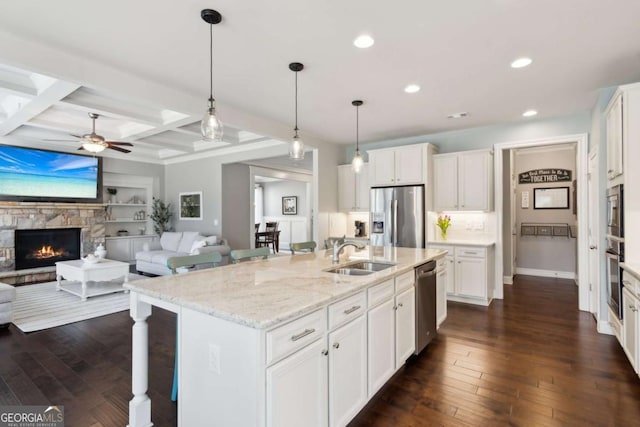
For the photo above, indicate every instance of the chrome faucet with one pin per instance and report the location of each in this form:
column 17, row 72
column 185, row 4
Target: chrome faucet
column 338, row 248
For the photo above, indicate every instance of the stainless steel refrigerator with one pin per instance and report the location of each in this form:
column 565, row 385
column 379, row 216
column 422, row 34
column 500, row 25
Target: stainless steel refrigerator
column 397, row 216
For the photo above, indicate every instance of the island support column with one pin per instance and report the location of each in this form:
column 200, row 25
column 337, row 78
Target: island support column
column 140, row 405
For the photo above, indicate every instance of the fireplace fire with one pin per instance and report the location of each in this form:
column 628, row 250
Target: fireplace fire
column 46, row 252
column 45, row 247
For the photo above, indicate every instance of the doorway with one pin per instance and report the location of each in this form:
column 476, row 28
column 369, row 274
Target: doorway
column 503, row 205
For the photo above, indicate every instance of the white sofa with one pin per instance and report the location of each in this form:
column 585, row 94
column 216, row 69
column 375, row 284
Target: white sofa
column 153, row 258
column 7, row 296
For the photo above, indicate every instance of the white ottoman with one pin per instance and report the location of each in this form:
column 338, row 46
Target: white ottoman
column 7, row 295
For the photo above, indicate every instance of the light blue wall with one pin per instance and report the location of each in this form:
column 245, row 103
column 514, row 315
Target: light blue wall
column 487, row 136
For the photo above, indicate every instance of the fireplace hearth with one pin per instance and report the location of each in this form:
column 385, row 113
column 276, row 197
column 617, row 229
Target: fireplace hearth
column 45, row 247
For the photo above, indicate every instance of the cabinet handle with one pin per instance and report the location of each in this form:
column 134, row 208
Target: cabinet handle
column 336, row 345
column 302, row 334
column 395, row 307
column 400, row 304
column 352, row 309
column 610, row 170
column 324, row 352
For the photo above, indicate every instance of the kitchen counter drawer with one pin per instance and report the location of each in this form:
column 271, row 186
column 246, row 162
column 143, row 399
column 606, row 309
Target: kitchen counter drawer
column 405, row 281
column 288, row 338
column 349, row 308
column 380, row 293
column 471, row 252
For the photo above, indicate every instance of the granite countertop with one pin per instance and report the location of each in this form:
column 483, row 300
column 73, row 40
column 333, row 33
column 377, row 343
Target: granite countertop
column 263, row 293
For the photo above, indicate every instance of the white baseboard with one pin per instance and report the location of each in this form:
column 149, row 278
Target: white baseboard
column 546, row 273
column 507, row 280
column 606, row 328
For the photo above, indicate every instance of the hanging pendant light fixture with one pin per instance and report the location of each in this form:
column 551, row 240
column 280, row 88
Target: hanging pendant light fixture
column 296, row 148
column 211, row 126
column 358, row 161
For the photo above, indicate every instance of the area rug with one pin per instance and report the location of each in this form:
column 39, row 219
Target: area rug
column 40, row 306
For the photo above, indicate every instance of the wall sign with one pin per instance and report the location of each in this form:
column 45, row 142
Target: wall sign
column 538, row 176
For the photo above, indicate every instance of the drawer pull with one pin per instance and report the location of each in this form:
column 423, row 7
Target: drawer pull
column 302, row 334
column 471, row 252
column 352, row 309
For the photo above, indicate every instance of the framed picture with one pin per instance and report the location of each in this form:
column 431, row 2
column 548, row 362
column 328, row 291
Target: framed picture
column 290, row 205
column 551, row 198
column 191, row 206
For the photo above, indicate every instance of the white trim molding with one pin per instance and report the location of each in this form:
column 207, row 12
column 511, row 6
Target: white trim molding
column 581, row 141
column 546, row 273
column 507, row 280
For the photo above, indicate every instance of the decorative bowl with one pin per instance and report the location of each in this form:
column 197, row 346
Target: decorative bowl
column 91, row 259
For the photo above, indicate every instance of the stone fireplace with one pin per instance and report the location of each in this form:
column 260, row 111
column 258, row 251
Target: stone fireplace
column 89, row 219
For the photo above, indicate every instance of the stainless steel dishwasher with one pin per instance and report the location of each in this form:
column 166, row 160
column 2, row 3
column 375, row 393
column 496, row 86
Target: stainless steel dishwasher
column 425, row 305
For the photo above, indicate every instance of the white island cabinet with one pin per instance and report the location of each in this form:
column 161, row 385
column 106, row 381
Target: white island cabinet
column 278, row 342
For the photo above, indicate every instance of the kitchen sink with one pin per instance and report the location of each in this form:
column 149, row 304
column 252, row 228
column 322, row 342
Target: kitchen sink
column 350, row 271
column 360, row 268
column 370, row 266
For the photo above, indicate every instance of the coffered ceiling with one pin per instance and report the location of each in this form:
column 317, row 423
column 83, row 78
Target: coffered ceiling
column 144, row 66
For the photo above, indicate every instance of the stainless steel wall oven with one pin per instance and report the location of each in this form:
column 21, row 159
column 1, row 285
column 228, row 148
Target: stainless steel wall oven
column 615, row 255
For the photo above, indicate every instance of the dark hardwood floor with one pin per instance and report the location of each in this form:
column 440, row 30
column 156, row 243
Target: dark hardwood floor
column 531, row 359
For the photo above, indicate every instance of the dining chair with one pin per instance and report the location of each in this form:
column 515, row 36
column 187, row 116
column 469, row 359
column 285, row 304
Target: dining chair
column 238, row 255
column 257, row 227
column 174, row 263
column 302, row 247
column 269, row 236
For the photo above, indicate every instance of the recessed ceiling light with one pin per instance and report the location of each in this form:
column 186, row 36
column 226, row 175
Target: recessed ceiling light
column 364, row 41
column 412, row 88
column 521, row 62
column 529, row 113
column 459, row 115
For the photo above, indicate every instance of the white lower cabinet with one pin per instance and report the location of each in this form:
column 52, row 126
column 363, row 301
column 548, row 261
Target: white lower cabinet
column 297, row 388
column 442, row 282
column 471, row 276
column 381, row 349
column 347, row 371
column 326, row 365
column 469, row 272
column 124, row 248
column 630, row 326
column 405, row 319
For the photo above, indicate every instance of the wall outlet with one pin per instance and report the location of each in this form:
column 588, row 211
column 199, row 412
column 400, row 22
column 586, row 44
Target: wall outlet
column 214, row 358
column 215, row 222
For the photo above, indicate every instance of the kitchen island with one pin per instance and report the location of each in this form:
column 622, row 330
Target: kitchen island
column 277, row 341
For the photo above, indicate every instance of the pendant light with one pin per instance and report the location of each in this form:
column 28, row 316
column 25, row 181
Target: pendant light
column 358, row 161
column 296, row 148
column 211, row 126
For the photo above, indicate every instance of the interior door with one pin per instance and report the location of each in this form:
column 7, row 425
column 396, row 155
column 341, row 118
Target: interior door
column 594, row 233
column 514, row 222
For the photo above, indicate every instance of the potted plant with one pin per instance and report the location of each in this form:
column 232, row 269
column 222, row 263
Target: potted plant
column 112, row 192
column 161, row 215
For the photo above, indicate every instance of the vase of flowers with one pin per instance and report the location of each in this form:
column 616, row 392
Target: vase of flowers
column 161, row 215
column 444, row 222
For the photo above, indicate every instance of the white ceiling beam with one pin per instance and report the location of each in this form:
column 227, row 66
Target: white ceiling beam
column 37, row 105
column 17, row 89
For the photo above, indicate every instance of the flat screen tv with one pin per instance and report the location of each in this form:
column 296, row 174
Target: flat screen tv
column 34, row 175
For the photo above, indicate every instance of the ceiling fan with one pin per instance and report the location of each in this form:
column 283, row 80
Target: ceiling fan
column 95, row 143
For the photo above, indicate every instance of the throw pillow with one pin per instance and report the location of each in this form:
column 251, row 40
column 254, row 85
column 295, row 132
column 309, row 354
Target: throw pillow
column 197, row 244
column 188, row 237
column 211, row 240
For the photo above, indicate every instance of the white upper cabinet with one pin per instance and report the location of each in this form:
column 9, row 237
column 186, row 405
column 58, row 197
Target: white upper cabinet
column 402, row 165
column 614, row 127
column 353, row 189
column 463, row 181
